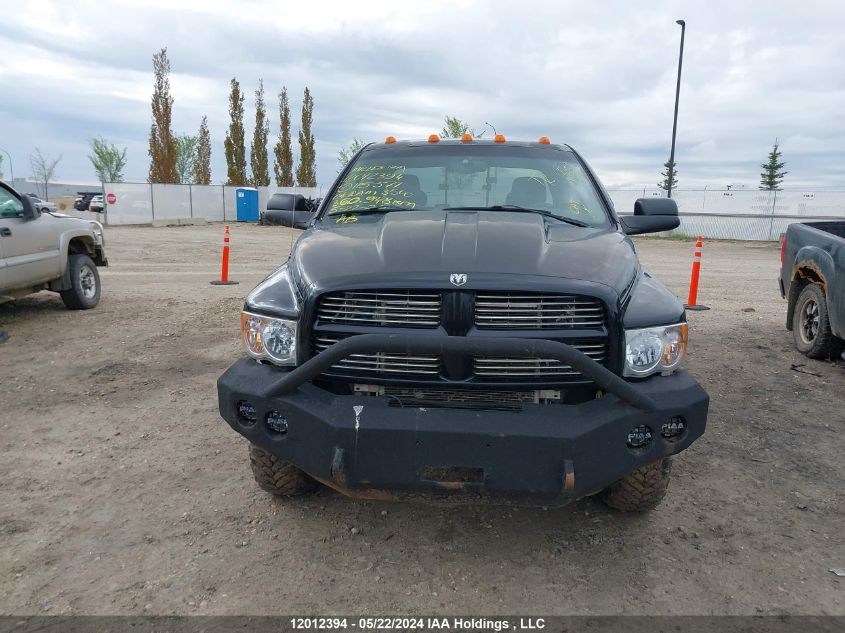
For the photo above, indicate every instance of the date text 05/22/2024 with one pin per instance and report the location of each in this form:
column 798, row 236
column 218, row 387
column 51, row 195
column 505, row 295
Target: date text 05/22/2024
column 422, row 624
column 419, row 623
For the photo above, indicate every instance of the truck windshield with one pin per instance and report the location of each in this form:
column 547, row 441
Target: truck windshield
column 478, row 176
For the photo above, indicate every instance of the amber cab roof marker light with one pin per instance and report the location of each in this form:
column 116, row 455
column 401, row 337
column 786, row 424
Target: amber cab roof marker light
column 466, row 138
column 390, row 139
column 544, row 140
column 499, row 138
column 433, row 138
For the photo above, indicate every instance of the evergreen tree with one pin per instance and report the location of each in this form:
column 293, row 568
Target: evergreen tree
column 258, row 152
column 235, row 145
column 306, row 173
column 283, row 151
column 670, row 175
column 772, row 175
column 162, row 148
column 202, row 162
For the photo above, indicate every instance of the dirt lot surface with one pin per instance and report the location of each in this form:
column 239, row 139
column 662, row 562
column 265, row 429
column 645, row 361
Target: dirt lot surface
column 124, row 492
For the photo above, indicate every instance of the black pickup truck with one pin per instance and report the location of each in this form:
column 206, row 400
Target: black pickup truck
column 812, row 278
column 467, row 319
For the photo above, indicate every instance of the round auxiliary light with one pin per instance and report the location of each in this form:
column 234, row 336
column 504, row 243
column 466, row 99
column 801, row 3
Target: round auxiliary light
column 544, row 140
column 246, row 412
column 466, row 137
column 674, row 428
column 433, row 138
column 639, row 437
column 390, row 139
column 276, row 422
column 499, row 138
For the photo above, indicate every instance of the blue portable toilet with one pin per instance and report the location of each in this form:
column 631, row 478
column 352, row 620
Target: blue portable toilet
column 246, row 199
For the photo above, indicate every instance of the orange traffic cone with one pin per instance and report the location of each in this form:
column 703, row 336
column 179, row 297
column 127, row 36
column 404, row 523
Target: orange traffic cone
column 693, row 282
column 224, row 267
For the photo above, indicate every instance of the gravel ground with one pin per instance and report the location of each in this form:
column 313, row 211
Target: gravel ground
column 123, row 492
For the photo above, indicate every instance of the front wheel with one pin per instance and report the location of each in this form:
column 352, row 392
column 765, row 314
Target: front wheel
column 641, row 490
column 278, row 476
column 811, row 325
column 84, row 291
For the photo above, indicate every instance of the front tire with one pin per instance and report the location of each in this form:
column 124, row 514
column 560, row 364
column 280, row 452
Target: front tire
column 641, row 490
column 811, row 325
column 277, row 476
column 84, row 292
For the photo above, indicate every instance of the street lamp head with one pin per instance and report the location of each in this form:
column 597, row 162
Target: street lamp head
column 681, row 22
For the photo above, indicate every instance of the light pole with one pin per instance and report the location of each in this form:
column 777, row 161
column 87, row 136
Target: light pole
column 11, row 166
column 675, row 121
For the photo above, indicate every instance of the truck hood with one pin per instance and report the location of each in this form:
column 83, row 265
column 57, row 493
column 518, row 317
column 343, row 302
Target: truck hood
column 422, row 247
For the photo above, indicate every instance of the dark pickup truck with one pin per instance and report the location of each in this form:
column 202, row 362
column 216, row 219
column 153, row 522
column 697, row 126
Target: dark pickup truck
column 290, row 209
column 467, row 319
column 812, row 278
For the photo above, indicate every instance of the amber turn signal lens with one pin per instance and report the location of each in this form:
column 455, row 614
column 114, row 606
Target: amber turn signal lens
column 466, row 138
column 544, row 140
column 499, row 138
column 390, row 139
column 433, row 138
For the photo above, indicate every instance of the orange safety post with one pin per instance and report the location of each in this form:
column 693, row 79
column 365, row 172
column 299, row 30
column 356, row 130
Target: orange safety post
column 224, row 266
column 693, row 282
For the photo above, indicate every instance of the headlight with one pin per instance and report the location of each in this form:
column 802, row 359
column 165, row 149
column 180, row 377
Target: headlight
column 266, row 338
column 654, row 349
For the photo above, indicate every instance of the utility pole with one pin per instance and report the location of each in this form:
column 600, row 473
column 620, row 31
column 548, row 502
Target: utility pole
column 677, row 97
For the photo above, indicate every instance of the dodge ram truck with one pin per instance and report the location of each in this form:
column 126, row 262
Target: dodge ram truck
column 812, row 279
column 467, row 319
column 45, row 250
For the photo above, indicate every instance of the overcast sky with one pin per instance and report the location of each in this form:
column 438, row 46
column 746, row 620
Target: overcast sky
column 597, row 75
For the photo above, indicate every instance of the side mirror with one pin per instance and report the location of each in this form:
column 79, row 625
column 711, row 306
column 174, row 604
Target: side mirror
column 29, row 210
column 652, row 215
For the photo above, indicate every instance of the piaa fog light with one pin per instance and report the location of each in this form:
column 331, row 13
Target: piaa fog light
column 639, row 437
column 675, row 427
column 246, row 412
column 276, row 422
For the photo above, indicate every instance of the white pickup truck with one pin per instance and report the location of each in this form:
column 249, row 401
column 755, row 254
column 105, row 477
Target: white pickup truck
column 48, row 251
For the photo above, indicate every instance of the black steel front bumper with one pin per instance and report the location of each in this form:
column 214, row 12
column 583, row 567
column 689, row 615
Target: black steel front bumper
column 368, row 447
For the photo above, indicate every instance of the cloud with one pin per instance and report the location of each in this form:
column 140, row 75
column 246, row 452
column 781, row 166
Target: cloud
column 599, row 76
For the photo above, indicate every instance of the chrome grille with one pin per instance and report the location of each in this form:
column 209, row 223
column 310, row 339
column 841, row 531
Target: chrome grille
column 532, row 311
column 381, row 363
column 415, row 308
column 536, row 367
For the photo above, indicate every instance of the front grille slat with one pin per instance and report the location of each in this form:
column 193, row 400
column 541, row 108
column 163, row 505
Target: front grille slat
column 410, row 308
column 381, row 363
column 522, row 367
column 527, row 311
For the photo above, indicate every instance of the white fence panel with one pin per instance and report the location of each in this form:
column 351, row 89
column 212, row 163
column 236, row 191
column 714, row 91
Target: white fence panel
column 823, row 204
column 171, row 202
column 744, row 214
column 230, row 203
column 132, row 203
column 207, row 202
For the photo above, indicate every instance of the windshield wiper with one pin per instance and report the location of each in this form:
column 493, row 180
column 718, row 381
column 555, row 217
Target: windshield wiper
column 368, row 211
column 519, row 209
